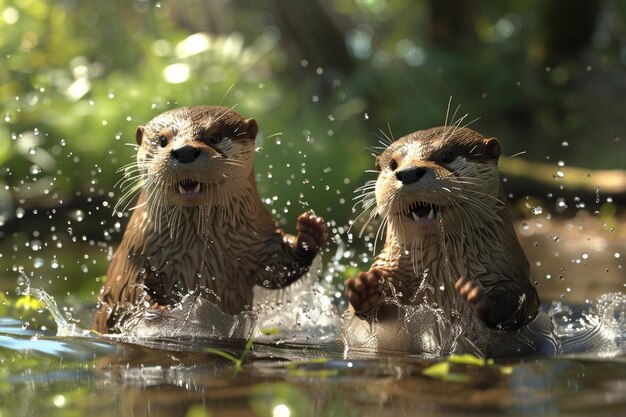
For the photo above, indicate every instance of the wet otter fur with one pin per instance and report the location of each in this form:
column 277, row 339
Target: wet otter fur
column 449, row 238
column 199, row 224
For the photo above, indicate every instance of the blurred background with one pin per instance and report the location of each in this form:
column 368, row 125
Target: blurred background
column 325, row 80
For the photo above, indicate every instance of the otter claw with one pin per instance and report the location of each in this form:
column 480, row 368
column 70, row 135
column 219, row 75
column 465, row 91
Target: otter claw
column 312, row 233
column 365, row 291
column 474, row 294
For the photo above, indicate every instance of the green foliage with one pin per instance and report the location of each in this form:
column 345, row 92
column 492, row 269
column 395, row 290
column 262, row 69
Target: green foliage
column 450, row 371
column 28, row 309
column 78, row 77
column 238, row 362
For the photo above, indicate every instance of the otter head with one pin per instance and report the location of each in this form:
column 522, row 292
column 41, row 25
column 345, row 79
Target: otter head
column 198, row 156
column 441, row 178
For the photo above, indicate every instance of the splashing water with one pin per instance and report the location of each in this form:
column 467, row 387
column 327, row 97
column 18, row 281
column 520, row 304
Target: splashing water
column 305, row 314
column 64, row 326
column 600, row 330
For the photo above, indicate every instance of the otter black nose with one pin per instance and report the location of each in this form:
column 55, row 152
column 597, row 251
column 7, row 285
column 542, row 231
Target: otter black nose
column 185, row 154
column 410, row 175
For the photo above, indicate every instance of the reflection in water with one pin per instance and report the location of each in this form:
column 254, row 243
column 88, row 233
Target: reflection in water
column 115, row 378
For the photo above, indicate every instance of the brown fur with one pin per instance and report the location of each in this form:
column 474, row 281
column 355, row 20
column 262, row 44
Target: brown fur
column 467, row 259
column 220, row 240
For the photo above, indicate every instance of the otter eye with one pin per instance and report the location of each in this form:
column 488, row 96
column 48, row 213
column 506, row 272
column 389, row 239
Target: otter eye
column 393, row 165
column 446, row 157
column 162, row 141
column 215, row 138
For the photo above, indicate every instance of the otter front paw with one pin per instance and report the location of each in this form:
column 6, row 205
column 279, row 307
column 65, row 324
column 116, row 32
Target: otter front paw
column 312, row 233
column 474, row 294
column 159, row 308
column 365, row 291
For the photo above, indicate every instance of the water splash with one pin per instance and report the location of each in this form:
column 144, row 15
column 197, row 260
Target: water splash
column 65, row 327
column 304, row 313
column 599, row 329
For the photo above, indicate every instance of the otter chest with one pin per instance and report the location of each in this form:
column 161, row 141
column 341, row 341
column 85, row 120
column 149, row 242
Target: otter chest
column 427, row 272
column 220, row 263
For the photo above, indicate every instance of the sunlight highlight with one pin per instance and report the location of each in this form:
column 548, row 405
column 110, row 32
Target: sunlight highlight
column 281, row 410
column 176, row 73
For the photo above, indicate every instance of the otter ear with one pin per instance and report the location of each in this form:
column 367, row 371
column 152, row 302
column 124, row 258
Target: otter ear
column 252, row 128
column 492, row 148
column 139, row 134
column 378, row 165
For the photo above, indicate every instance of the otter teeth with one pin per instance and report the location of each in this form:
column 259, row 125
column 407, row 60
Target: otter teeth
column 183, row 190
column 420, row 211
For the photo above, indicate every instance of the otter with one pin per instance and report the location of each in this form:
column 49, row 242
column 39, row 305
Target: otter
column 199, row 224
column 449, row 237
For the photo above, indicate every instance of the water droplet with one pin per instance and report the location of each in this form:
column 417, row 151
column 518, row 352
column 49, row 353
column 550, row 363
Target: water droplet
column 35, row 245
column 79, row 215
column 34, row 170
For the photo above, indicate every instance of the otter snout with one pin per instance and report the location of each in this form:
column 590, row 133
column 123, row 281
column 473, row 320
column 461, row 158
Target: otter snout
column 185, row 154
column 410, row 174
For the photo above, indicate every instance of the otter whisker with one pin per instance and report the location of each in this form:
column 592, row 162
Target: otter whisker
column 367, row 195
column 381, row 228
column 233, row 163
column 385, row 140
column 370, row 215
column 126, row 199
column 369, row 185
column 468, row 180
column 131, row 164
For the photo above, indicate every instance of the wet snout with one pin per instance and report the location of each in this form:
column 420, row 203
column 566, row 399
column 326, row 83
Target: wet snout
column 410, row 175
column 185, row 154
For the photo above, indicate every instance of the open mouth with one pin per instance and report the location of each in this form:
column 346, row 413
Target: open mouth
column 421, row 211
column 189, row 187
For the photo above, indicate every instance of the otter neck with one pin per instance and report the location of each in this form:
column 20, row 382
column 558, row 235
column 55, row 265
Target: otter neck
column 203, row 220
